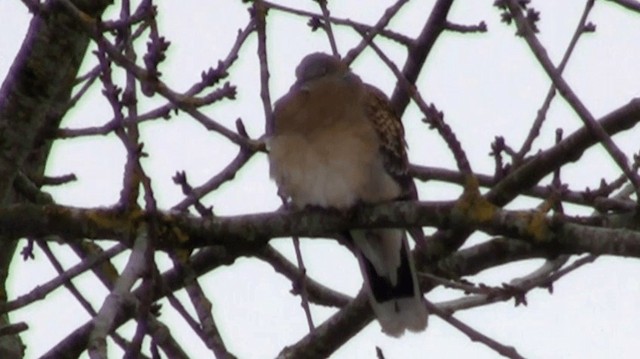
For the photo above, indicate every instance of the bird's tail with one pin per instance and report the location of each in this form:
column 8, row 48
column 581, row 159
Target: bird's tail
column 390, row 278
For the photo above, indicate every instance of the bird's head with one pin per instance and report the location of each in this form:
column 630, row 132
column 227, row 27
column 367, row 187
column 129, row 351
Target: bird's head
column 318, row 65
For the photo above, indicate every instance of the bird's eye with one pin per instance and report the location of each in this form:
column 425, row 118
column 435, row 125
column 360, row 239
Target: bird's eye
column 314, row 73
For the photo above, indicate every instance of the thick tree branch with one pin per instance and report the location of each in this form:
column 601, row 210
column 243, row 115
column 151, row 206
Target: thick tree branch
column 568, row 150
column 33, row 99
column 436, row 24
column 254, row 231
column 44, row 69
column 628, row 4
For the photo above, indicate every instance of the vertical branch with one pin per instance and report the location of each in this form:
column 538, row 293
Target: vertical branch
column 556, row 182
column 260, row 13
column 542, row 112
column 301, row 284
column 105, row 320
column 152, row 59
column 134, row 175
column 130, row 186
column 130, row 137
column 327, row 27
column 419, row 51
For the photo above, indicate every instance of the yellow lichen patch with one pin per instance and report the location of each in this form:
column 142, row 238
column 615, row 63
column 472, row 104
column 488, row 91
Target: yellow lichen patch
column 537, row 226
column 179, row 234
column 170, row 233
column 472, row 205
column 183, row 255
column 105, row 267
column 106, row 219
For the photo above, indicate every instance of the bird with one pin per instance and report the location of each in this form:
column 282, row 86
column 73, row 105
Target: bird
column 337, row 143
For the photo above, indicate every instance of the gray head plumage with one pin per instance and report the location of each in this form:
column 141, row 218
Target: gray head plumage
column 316, row 65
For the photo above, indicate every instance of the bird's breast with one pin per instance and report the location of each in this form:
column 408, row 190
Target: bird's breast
column 336, row 166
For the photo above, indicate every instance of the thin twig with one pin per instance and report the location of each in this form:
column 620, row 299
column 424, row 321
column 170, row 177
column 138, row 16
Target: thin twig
column 316, row 291
column 391, row 35
column 368, row 37
column 464, row 29
column 180, row 178
column 300, row 283
column 542, row 112
column 65, row 276
column 227, row 174
column 590, row 258
column 435, row 117
column 569, row 95
column 154, row 84
column 131, row 142
column 327, row 27
column 209, row 77
column 207, row 328
column 44, row 246
column 13, row 329
column 474, row 335
column 260, row 13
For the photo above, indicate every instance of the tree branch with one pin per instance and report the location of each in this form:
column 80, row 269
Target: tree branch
column 569, row 95
column 179, row 230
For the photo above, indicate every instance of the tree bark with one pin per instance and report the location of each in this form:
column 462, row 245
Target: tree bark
column 33, row 100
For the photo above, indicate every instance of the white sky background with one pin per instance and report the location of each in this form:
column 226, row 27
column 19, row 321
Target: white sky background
column 487, row 85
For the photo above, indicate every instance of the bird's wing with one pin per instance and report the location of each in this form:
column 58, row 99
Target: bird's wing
column 390, row 131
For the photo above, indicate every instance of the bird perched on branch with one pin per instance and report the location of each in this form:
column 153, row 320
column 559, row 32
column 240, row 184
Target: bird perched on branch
column 336, row 143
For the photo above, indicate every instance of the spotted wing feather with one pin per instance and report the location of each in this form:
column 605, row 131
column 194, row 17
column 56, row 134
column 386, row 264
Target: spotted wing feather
column 393, row 146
